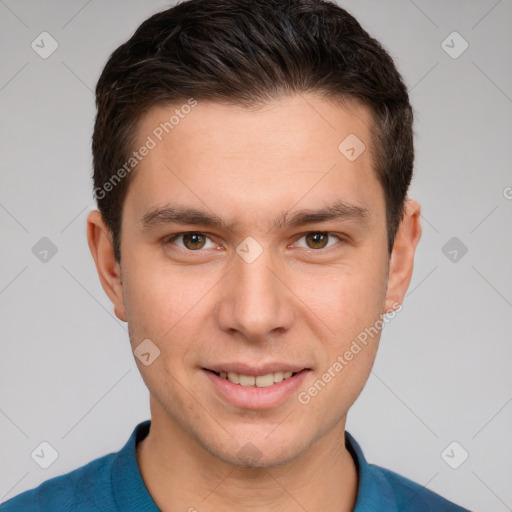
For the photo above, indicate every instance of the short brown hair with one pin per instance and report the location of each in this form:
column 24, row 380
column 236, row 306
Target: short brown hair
column 247, row 52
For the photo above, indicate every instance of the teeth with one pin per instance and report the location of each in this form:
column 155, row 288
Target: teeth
column 261, row 381
column 234, row 377
column 246, row 380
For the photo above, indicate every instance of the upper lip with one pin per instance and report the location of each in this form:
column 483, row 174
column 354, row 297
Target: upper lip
column 255, row 370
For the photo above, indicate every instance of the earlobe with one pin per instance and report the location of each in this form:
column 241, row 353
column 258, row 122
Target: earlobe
column 109, row 271
column 402, row 258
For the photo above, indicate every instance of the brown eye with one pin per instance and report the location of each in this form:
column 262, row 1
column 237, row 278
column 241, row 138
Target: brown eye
column 193, row 240
column 317, row 239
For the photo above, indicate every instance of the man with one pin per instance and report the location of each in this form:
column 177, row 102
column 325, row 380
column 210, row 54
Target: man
column 251, row 166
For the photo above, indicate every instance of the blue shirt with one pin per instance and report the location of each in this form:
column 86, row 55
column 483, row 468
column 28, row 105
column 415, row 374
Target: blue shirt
column 114, row 483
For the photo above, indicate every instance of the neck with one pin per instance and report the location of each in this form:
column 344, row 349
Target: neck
column 181, row 475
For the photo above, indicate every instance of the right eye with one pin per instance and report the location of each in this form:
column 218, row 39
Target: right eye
column 191, row 240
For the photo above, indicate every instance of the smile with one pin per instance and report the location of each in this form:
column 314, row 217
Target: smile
column 255, row 388
column 259, row 381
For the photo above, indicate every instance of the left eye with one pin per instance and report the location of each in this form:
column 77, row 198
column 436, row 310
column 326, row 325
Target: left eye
column 317, row 239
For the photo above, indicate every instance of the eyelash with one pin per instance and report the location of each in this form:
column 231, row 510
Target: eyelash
column 169, row 240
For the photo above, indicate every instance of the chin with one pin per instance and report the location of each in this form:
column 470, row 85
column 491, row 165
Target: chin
column 258, row 451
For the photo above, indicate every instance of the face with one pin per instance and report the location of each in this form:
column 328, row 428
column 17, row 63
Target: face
column 253, row 248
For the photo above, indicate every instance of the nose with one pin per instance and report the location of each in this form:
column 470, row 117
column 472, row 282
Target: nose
column 256, row 301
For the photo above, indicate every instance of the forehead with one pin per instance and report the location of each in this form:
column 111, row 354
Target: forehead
column 229, row 158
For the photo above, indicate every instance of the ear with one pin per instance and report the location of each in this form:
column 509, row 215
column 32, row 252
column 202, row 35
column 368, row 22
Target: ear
column 402, row 258
column 109, row 270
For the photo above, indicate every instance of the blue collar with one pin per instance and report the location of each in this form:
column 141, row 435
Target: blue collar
column 130, row 491
column 374, row 490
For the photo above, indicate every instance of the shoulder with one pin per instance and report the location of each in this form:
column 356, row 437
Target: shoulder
column 107, row 484
column 411, row 496
column 383, row 489
column 87, row 488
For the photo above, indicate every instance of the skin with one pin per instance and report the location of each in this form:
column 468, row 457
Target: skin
column 203, row 304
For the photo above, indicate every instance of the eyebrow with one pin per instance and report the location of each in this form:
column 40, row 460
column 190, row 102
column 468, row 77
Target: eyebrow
column 179, row 214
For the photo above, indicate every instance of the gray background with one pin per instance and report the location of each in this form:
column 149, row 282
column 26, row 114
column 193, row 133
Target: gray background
column 442, row 374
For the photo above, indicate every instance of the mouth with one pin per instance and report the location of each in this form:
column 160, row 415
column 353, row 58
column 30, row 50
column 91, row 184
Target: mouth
column 256, row 388
column 259, row 381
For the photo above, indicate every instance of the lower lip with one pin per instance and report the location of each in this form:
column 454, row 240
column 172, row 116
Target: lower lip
column 252, row 397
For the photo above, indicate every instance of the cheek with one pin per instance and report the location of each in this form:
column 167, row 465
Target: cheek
column 155, row 298
column 147, row 304
column 166, row 307
column 352, row 307
column 347, row 299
